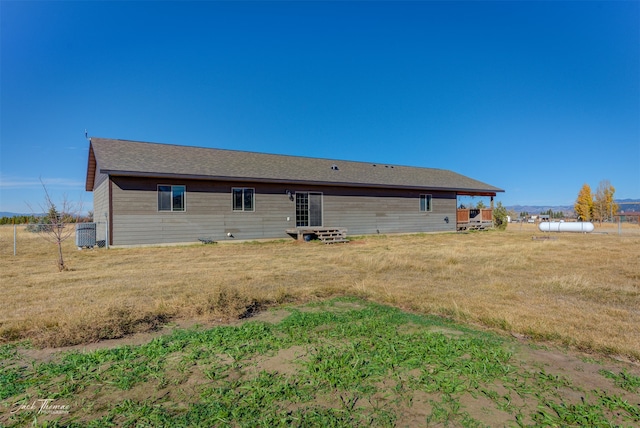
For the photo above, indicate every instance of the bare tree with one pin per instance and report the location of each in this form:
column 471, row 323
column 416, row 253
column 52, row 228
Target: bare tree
column 57, row 223
column 604, row 206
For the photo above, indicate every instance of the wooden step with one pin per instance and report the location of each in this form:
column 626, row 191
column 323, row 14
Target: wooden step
column 328, row 235
column 332, row 236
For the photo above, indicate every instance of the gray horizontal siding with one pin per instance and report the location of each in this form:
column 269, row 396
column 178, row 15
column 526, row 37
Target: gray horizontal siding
column 209, row 212
column 366, row 215
column 101, row 208
column 152, row 229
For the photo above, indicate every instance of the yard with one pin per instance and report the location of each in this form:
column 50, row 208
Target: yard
column 535, row 331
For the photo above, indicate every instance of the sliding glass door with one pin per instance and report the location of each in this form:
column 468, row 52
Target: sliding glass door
column 308, row 209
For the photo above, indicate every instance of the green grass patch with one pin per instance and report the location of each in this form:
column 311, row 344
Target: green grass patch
column 343, row 362
column 623, row 379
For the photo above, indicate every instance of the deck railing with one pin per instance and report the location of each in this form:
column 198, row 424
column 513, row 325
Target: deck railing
column 474, row 218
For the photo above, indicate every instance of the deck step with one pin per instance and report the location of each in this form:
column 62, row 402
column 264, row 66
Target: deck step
column 332, row 236
column 328, row 235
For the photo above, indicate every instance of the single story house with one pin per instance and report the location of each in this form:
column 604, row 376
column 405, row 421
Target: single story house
column 150, row 193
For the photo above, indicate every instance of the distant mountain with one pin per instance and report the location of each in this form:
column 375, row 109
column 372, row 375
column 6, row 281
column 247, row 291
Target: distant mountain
column 537, row 209
column 624, row 205
column 10, row 214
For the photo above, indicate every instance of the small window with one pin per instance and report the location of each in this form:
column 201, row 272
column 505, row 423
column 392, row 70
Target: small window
column 425, row 203
column 243, row 199
column 171, row 198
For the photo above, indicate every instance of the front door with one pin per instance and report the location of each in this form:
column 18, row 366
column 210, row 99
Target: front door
column 308, row 209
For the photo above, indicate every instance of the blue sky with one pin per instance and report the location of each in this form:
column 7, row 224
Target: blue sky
column 536, row 98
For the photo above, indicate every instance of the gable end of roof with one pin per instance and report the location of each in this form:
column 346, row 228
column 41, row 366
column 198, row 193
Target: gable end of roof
column 91, row 169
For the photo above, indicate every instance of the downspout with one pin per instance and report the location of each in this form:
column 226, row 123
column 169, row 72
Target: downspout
column 106, row 230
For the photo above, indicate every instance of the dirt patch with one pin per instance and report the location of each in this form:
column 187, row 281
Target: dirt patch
column 483, row 409
column 416, row 409
column 269, row 316
column 450, row 332
column 285, row 361
column 409, row 328
column 583, row 371
column 46, row 355
column 341, row 306
column 336, row 307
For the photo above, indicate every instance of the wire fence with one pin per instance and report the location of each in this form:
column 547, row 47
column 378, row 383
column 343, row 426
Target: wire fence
column 26, row 238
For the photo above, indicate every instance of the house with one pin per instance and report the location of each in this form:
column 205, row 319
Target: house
column 151, row 193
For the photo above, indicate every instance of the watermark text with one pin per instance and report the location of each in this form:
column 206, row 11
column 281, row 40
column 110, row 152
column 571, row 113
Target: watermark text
column 44, row 406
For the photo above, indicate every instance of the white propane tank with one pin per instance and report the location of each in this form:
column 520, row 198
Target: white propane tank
column 557, row 226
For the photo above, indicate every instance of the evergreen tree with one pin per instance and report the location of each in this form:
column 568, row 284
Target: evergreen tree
column 500, row 217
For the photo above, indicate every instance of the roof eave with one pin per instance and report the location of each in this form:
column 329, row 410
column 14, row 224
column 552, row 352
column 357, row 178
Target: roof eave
column 458, row 190
column 479, row 192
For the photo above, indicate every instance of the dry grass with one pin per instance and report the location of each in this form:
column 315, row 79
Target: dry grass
column 581, row 290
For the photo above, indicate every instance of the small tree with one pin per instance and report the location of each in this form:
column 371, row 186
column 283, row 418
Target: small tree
column 500, row 217
column 584, row 204
column 56, row 227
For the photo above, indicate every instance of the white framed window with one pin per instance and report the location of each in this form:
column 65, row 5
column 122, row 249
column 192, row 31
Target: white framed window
column 172, row 198
column 425, row 203
column 243, row 199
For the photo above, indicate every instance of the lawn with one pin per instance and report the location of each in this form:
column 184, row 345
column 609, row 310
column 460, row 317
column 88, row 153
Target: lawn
column 341, row 362
column 444, row 329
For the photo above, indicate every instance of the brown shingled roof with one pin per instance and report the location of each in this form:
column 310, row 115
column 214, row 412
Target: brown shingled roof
column 130, row 158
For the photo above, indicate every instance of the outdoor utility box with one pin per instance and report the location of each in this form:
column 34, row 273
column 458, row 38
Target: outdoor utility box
column 85, row 235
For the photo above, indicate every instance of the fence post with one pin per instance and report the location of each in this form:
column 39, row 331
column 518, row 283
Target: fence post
column 14, row 236
column 620, row 225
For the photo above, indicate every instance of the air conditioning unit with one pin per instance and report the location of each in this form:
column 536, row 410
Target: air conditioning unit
column 85, row 235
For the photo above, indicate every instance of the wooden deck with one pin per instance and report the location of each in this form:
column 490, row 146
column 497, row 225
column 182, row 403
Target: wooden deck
column 474, row 219
column 328, row 235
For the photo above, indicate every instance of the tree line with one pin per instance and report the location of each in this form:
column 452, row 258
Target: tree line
column 600, row 206
column 35, row 219
column 553, row 214
column 18, row 219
